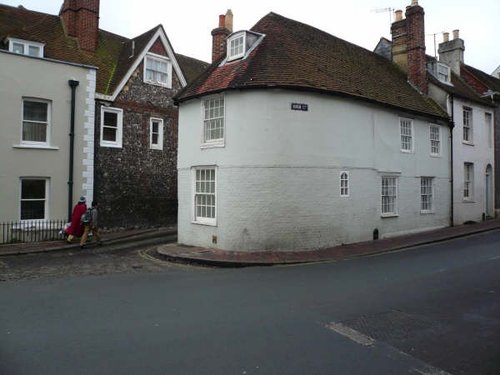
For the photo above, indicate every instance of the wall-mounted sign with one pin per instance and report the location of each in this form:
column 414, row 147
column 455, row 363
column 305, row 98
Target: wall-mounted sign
column 299, row 107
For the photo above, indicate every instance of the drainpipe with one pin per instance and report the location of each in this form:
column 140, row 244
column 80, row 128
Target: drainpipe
column 73, row 84
column 452, row 126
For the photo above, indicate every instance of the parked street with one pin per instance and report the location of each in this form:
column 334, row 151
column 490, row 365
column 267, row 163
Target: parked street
column 428, row 310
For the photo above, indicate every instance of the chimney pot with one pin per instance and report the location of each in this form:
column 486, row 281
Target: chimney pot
column 399, row 15
column 446, row 37
column 222, row 20
column 455, row 34
column 229, row 20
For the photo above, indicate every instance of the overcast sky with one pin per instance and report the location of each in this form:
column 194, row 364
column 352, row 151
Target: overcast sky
column 188, row 23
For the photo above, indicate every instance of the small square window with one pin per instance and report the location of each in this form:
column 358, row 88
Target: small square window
column 34, row 193
column 36, row 122
column 158, row 70
column 111, row 127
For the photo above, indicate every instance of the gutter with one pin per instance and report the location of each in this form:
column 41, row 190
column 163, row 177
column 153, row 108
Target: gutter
column 452, row 126
column 73, row 85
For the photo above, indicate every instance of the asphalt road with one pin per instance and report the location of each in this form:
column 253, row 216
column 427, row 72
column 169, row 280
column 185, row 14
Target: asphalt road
column 431, row 310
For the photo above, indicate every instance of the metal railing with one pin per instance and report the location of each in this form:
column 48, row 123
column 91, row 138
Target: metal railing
column 31, row 231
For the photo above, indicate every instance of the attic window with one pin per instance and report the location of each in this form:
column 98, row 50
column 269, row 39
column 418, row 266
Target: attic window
column 236, row 46
column 157, row 70
column 24, row 47
column 443, row 72
column 241, row 43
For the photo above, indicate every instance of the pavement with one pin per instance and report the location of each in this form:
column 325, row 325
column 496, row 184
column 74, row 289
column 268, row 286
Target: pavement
column 167, row 249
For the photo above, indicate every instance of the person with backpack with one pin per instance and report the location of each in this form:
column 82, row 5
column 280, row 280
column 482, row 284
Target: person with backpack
column 76, row 228
column 90, row 222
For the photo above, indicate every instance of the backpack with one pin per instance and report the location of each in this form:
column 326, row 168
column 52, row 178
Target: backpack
column 87, row 216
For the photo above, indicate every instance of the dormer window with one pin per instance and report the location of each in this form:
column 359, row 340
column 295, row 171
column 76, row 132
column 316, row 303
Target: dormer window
column 443, row 72
column 440, row 71
column 236, row 46
column 241, row 43
column 25, row 47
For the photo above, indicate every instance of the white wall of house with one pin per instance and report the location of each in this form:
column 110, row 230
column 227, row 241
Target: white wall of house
column 278, row 173
column 22, row 78
column 479, row 151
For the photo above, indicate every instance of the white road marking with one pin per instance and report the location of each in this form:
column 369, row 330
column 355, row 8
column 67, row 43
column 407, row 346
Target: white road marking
column 495, row 258
column 351, row 334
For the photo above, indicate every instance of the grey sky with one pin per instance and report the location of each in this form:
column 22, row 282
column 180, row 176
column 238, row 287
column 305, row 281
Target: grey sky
column 188, row 23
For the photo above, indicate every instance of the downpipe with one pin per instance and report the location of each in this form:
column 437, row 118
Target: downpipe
column 73, row 85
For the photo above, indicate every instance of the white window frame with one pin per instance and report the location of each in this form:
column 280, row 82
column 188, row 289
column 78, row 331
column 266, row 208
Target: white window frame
column 440, row 72
column 119, row 127
column 468, row 194
column 468, row 127
column 45, row 199
column 426, row 195
column 197, row 189
column 26, row 44
column 344, row 184
column 158, row 145
column 212, row 119
column 406, row 139
column 47, row 123
column 389, row 195
column 158, row 58
column 435, row 142
column 488, row 119
column 231, row 53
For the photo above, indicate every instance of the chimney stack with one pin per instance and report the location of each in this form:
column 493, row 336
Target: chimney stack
column 81, row 20
column 408, row 45
column 451, row 52
column 220, row 34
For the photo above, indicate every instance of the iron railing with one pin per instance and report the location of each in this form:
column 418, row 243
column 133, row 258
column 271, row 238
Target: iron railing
column 31, row 231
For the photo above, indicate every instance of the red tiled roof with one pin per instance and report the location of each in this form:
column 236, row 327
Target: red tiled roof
column 298, row 56
column 112, row 56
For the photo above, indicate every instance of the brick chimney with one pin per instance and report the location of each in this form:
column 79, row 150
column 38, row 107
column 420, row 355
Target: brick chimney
column 408, row 45
column 220, row 34
column 81, row 20
column 451, row 52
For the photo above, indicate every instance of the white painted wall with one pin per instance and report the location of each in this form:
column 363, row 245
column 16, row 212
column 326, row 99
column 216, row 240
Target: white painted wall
column 22, row 76
column 481, row 153
column 278, row 174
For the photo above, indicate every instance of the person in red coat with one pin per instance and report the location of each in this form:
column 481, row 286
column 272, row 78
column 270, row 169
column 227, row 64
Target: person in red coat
column 76, row 228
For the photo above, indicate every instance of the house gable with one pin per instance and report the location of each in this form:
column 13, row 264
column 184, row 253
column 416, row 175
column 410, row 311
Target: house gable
column 157, row 43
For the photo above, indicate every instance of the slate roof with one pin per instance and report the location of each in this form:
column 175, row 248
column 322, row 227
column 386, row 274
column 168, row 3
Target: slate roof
column 112, row 57
column 297, row 56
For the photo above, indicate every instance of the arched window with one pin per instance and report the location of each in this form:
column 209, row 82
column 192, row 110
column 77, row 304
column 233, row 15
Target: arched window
column 344, row 184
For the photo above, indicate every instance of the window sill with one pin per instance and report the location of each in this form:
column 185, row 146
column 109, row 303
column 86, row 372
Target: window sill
column 435, row 155
column 468, row 143
column 35, row 147
column 385, row 216
column 427, row 212
column 220, row 144
column 207, row 223
column 159, row 84
column 407, row 151
column 110, row 145
column 468, row 201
